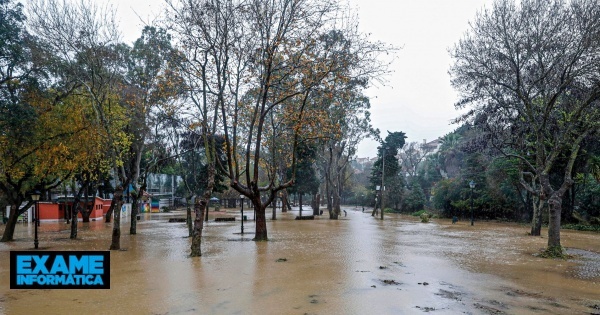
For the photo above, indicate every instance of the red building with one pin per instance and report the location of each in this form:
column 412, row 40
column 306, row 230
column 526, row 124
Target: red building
column 55, row 211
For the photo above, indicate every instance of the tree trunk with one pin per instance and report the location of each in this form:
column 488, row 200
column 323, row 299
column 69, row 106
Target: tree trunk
column 555, row 208
column 337, row 210
column 74, row 218
column 134, row 211
column 110, row 210
column 66, row 211
column 207, row 208
column 333, row 215
column 116, row 232
column 316, row 204
column 374, row 208
column 536, row 220
column 555, row 199
column 85, row 213
column 285, row 202
column 274, row 217
column 200, row 206
column 75, row 209
column 300, row 198
column 188, row 219
column 9, row 230
column 329, row 200
column 261, row 220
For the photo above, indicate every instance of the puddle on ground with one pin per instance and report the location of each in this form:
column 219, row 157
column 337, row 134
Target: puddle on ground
column 588, row 264
column 355, row 265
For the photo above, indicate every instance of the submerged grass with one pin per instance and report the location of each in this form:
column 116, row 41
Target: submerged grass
column 555, row 252
column 582, row 227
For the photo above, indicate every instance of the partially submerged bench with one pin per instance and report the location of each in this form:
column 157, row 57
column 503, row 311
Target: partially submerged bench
column 305, row 217
column 224, row 219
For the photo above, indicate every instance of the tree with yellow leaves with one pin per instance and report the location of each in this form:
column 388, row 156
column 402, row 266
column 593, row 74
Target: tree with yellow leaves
column 38, row 149
column 87, row 58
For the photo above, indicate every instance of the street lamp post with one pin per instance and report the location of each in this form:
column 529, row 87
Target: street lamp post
column 242, row 212
column 35, row 196
column 472, row 185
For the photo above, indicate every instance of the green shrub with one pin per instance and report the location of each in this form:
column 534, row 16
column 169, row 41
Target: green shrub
column 425, row 217
column 445, row 194
column 582, row 227
column 414, row 199
column 419, row 213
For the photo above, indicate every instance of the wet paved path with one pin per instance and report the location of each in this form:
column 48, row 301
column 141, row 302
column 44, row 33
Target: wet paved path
column 355, row 265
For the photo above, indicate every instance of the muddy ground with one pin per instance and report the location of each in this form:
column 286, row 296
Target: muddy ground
column 355, row 265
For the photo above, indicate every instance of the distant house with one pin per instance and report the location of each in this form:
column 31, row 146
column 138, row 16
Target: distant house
column 432, row 146
column 365, row 160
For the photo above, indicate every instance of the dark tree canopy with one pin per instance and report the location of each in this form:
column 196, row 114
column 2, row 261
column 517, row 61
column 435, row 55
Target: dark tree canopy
column 195, row 167
column 306, row 181
column 391, row 145
column 530, row 72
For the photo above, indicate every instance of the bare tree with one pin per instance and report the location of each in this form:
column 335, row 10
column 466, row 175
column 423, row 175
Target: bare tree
column 531, row 73
column 209, row 32
column 255, row 67
column 411, row 156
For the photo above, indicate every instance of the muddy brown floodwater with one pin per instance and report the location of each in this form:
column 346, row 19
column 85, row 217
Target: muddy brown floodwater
column 355, row 265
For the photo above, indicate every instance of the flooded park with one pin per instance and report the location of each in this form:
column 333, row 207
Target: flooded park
column 354, row 265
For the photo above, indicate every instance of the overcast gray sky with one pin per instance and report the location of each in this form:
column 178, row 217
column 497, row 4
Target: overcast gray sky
column 418, row 98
